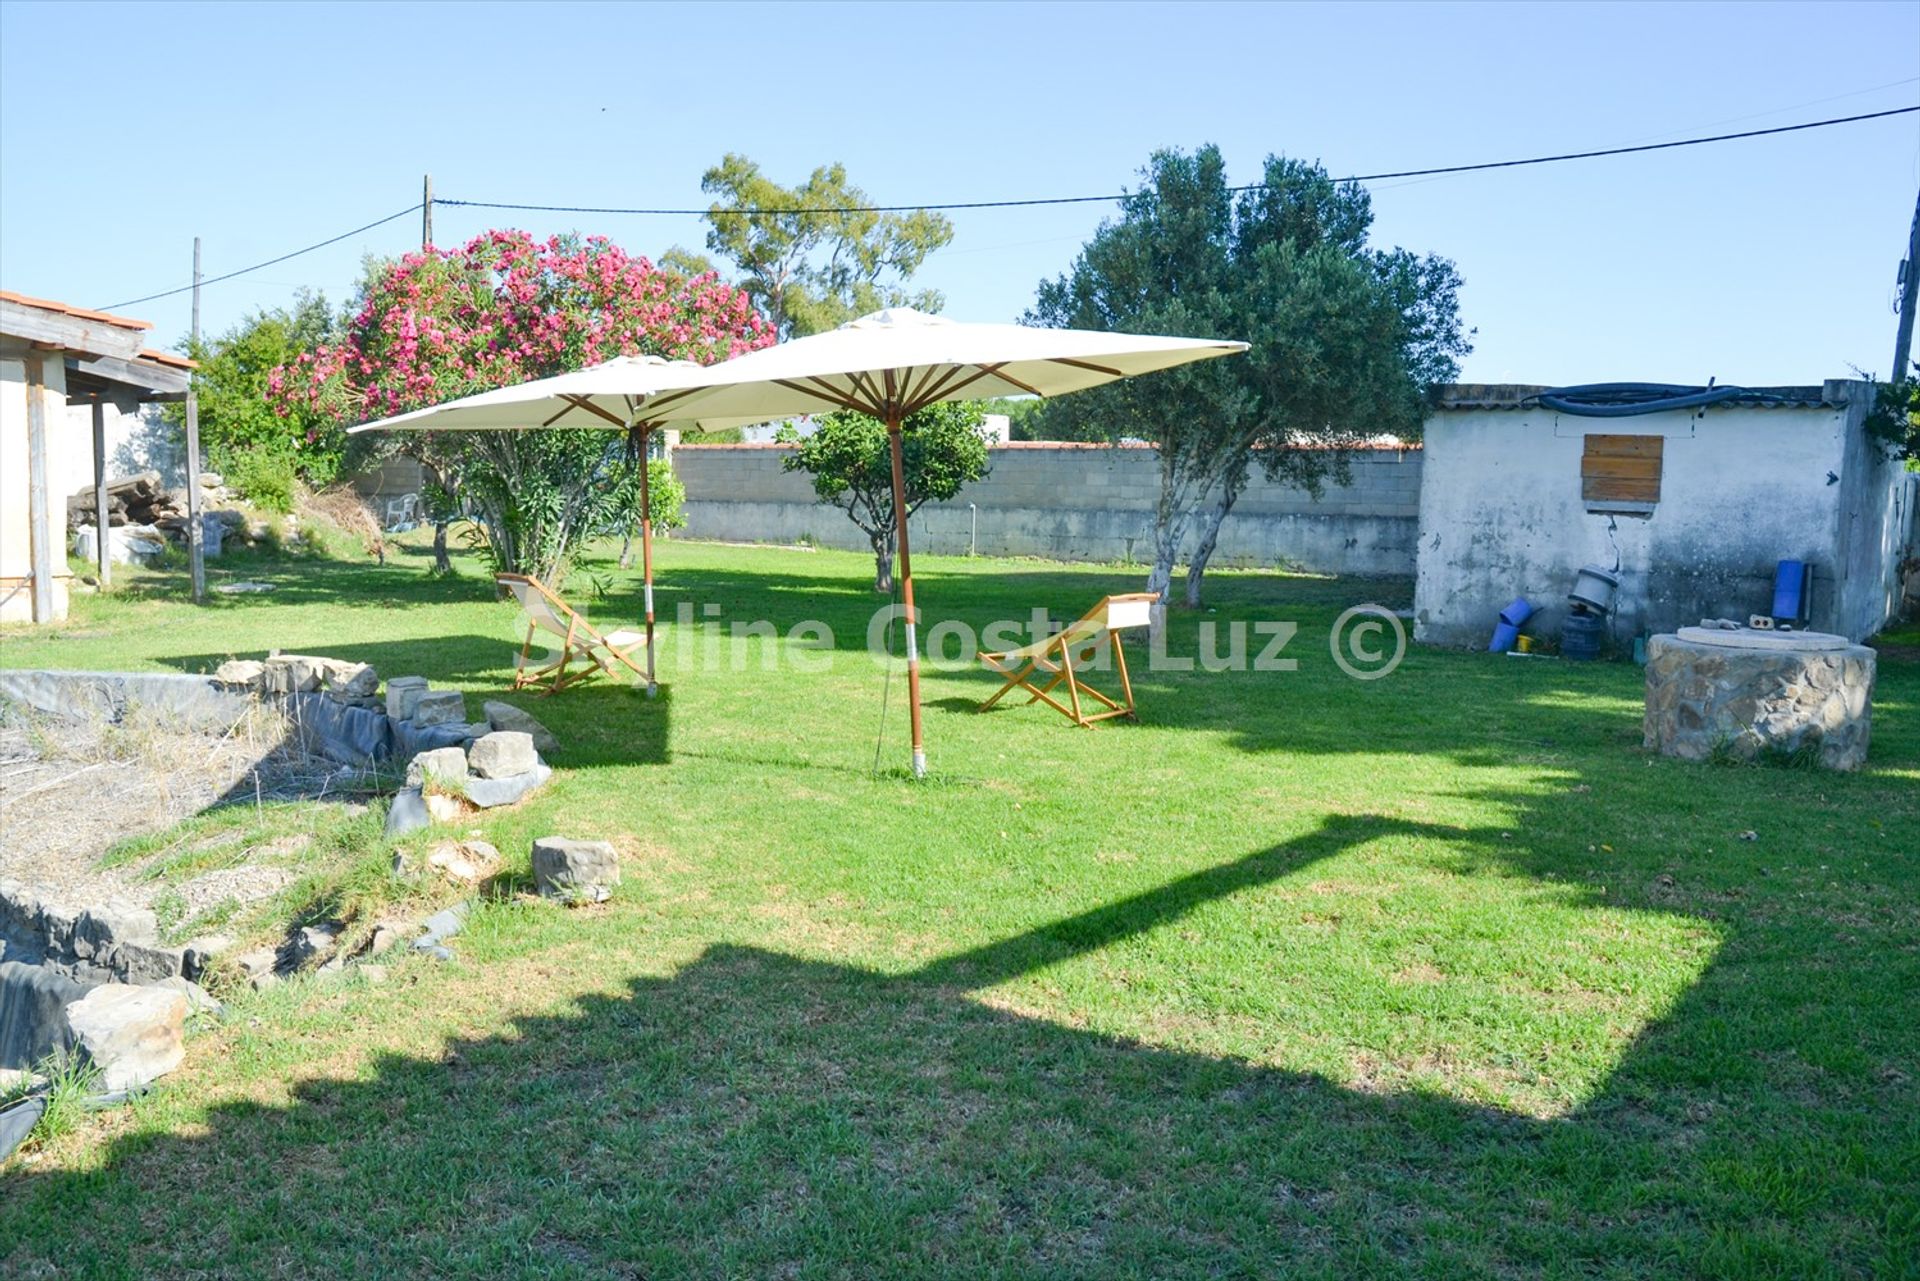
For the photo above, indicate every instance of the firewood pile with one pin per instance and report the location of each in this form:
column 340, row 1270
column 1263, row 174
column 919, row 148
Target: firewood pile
column 143, row 500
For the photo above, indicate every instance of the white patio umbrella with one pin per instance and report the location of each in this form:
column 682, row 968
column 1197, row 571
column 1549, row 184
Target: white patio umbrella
column 894, row 363
column 608, row 395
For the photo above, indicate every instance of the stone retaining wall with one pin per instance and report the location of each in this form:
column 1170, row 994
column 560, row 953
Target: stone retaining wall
column 1706, row 699
column 1072, row 502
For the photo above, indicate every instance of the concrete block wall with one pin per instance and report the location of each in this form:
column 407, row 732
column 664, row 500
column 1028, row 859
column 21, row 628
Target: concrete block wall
column 1072, row 502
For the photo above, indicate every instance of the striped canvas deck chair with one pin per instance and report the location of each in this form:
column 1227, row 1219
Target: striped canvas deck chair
column 1067, row 656
column 546, row 612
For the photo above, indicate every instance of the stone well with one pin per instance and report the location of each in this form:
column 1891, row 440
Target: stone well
column 1746, row 692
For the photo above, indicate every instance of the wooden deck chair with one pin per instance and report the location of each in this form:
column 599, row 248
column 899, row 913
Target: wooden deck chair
column 546, row 612
column 1066, row 656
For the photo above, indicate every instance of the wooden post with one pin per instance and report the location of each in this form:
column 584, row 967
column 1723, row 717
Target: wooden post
column 906, row 592
column 196, row 552
column 646, row 551
column 39, row 516
column 100, row 522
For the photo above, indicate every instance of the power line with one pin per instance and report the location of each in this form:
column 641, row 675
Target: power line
column 418, row 205
column 1256, row 186
column 331, row 240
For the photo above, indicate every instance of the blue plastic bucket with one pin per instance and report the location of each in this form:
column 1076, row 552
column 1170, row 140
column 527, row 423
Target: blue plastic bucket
column 1512, row 618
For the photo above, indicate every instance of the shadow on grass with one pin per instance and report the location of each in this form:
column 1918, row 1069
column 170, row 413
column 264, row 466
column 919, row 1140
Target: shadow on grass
column 756, row 1114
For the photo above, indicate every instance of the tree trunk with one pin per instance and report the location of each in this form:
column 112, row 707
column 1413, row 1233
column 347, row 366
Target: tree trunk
column 1209, row 538
column 626, row 547
column 441, row 565
column 883, row 565
column 1169, row 527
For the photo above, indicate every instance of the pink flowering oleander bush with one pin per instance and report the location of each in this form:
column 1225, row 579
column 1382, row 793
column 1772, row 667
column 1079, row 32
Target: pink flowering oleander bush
column 502, row 309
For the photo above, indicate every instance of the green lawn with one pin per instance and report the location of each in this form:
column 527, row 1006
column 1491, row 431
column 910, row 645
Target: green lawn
column 1435, row 975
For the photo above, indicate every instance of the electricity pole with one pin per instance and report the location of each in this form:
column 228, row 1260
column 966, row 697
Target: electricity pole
column 196, row 550
column 426, row 211
column 1909, row 299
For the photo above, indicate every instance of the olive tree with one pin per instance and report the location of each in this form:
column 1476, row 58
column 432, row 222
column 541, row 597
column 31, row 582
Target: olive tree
column 1345, row 340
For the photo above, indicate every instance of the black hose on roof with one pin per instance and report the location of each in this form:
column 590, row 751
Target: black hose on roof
column 1627, row 400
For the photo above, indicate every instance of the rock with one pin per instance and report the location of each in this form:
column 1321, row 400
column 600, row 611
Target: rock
column 136, row 963
column 464, row 861
column 33, row 1003
column 408, row 813
column 240, row 673
column 132, row 1034
column 575, row 871
column 446, row 766
column 259, row 961
column 199, row 1000
column 17, row 1122
column 14, row 1081
column 312, row 943
column 489, row 792
column 388, row 934
column 346, row 680
column 199, row 953
column 437, row 953
column 100, row 929
column 502, row 754
column 443, row 925
column 403, row 693
column 438, row 707
column 293, row 673
column 261, row 982
column 373, row 973
column 442, row 808
column 505, row 716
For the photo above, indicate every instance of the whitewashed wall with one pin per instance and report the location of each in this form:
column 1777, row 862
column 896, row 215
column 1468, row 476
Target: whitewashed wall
column 1501, row 515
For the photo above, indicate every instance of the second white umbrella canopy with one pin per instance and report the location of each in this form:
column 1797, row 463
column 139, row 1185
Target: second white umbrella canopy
column 896, row 362
column 611, row 394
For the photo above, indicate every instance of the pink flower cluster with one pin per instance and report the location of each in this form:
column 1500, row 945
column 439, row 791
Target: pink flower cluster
column 505, row 308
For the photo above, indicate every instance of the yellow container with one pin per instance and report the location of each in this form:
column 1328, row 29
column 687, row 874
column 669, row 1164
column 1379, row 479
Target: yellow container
column 1524, row 644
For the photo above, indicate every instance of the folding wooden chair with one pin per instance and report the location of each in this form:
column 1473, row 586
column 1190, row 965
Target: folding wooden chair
column 546, row 612
column 1067, row 655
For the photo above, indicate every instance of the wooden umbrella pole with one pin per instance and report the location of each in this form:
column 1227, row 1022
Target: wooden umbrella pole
column 646, row 551
column 906, row 594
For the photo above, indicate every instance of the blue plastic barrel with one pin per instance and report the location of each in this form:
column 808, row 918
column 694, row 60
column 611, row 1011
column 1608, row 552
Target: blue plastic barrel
column 1512, row 618
column 1792, row 584
column 1580, row 636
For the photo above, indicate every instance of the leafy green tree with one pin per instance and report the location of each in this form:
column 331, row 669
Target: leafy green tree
column 942, row 450
column 1894, row 419
column 1346, row 341
column 261, row 452
column 807, row 259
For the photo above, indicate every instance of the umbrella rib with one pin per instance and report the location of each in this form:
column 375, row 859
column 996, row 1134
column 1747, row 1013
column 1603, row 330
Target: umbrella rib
column 922, row 396
column 1086, row 364
column 821, row 388
column 581, row 402
column 942, row 381
column 876, row 399
column 1000, row 372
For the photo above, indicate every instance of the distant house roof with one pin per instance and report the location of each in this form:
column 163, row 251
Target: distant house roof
column 1835, row 393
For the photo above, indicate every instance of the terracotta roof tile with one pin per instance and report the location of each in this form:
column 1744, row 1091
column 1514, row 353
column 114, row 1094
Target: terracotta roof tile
column 68, row 309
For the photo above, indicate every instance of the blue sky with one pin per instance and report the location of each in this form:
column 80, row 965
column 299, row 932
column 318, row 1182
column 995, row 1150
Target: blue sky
column 125, row 131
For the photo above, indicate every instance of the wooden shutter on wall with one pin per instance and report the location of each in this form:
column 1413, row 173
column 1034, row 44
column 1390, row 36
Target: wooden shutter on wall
column 1621, row 469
